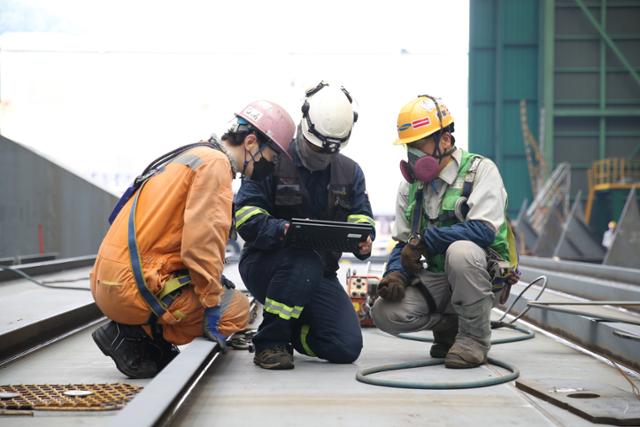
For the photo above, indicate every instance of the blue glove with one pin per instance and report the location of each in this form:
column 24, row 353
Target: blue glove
column 211, row 332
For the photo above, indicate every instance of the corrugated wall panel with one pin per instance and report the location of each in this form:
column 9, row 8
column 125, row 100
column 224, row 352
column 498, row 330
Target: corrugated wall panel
column 550, row 53
column 503, row 69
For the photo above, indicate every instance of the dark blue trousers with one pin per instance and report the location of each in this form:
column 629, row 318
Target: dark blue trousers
column 302, row 306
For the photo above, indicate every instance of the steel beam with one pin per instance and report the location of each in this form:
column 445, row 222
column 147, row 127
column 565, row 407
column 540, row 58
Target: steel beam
column 608, row 41
column 497, row 119
column 592, row 271
column 588, row 332
column 547, row 81
column 157, row 403
column 28, row 338
column 603, row 83
column 596, row 112
column 47, row 267
column 584, row 287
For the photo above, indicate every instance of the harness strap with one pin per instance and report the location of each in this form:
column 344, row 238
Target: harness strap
column 172, row 285
column 416, row 216
column 158, row 308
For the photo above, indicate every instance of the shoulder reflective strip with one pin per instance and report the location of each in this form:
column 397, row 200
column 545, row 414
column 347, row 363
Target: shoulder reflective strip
column 282, row 310
column 304, row 332
column 246, row 212
column 359, row 219
column 154, row 304
column 190, row 160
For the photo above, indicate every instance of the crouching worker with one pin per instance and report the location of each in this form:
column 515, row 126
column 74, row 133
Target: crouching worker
column 158, row 273
column 305, row 306
column 450, row 211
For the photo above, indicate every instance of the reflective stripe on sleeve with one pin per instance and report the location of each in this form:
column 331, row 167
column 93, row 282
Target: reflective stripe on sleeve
column 246, row 212
column 361, row 219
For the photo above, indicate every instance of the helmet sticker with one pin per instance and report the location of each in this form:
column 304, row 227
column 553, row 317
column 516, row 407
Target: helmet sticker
column 427, row 105
column 404, row 127
column 420, row 122
column 253, row 113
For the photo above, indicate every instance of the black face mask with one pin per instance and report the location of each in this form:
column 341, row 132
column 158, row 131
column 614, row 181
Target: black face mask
column 262, row 169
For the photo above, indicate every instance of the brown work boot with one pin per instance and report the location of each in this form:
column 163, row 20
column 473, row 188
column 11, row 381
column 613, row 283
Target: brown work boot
column 444, row 335
column 274, row 357
column 473, row 341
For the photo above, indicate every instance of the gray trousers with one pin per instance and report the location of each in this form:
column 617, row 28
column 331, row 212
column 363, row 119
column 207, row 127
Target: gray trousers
column 464, row 282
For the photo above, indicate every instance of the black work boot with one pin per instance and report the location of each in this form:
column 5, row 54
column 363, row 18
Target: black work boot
column 444, row 335
column 163, row 352
column 274, row 357
column 129, row 347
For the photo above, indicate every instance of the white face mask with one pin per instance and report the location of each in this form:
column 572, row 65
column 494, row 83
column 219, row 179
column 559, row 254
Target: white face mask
column 310, row 159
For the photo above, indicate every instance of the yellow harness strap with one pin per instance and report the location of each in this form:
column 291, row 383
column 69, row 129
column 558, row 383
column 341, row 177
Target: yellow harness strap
column 174, row 284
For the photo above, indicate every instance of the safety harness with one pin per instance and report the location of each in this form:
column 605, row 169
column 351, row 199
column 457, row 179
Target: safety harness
column 158, row 303
column 292, row 198
column 498, row 267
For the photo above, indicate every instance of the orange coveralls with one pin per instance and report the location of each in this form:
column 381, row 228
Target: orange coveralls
column 182, row 222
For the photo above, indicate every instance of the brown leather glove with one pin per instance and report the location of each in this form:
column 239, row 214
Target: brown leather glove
column 391, row 287
column 411, row 255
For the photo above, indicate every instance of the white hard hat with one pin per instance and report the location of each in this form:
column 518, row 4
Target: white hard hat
column 328, row 117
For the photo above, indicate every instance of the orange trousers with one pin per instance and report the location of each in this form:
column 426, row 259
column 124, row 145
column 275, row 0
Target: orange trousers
column 121, row 302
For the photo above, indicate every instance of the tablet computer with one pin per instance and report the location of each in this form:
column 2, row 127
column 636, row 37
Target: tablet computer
column 327, row 235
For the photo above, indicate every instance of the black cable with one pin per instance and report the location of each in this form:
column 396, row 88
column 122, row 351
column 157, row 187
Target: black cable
column 534, row 281
column 46, row 283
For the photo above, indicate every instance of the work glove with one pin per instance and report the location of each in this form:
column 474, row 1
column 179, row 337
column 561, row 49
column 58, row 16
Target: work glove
column 211, row 332
column 391, row 287
column 513, row 277
column 411, row 255
column 226, row 282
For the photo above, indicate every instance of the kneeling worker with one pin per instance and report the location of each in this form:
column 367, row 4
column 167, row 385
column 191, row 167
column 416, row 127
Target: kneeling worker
column 305, row 306
column 452, row 212
column 158, row 273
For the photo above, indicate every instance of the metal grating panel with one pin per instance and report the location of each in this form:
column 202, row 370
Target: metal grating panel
column 67, row 397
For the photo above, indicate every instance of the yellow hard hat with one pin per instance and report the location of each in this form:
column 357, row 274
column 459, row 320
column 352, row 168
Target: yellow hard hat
column 419, row 119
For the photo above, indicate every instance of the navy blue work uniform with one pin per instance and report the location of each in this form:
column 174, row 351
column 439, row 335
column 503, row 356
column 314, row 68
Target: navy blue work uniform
column 304, row 303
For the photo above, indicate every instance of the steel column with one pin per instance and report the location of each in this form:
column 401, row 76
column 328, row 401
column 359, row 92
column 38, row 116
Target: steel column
column 548, row 64
column 603, row 82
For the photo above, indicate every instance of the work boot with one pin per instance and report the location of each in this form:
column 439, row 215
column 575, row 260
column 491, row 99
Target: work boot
column 163, row 352
column 474, row 335
column 274, row 357
column 444, row 335
column 129, row 347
